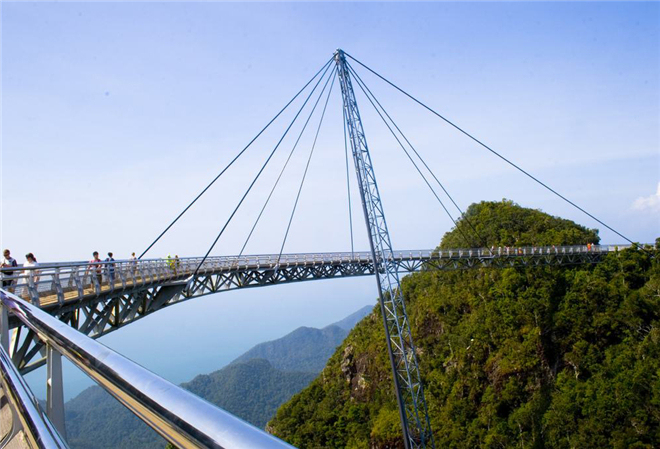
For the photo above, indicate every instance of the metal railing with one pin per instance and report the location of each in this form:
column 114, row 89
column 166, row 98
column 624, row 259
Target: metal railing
column 177, row 415
column 26, row 414
column 63, row 281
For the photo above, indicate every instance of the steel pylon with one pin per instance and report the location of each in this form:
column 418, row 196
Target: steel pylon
column 407, row 381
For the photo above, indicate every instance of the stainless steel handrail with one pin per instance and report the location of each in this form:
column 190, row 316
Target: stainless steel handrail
column 179, row 416
column 37, row 428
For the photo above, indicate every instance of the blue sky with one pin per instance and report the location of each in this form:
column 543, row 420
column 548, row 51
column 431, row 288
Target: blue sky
column 114, row 115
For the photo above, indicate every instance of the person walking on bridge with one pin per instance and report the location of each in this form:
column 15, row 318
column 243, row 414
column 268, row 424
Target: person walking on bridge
column 133, row 262
column 31, row 261
column 111, row 268
column 170, row 263
column 96, row 267
column 8, row 262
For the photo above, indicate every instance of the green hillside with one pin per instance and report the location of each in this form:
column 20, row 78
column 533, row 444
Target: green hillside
column 252, row 390
column 95, row 420
column 545, row 357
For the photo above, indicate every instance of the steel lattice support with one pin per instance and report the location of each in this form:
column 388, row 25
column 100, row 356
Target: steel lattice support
column 407, row 381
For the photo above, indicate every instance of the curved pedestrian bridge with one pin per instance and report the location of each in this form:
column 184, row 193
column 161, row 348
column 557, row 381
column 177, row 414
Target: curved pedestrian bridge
column 101, row 297
column 54, row 285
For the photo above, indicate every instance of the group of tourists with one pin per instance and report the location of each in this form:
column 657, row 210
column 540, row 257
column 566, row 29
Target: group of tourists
column 99, row 270
column 96, row 266
column 173, row 263
column 9, row 275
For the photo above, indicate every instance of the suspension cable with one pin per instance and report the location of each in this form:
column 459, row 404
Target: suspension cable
column 364, row 86
column 259, row 173
column 293, row 149
column 412, row 160
column 309, row 159
column 234, row 160
column 348, row 186
column 497, row 154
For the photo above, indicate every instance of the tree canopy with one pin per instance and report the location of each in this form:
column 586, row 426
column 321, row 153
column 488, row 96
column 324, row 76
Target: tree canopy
column 542, row 357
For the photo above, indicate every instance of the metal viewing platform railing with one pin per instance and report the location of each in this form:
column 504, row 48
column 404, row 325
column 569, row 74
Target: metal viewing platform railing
column 177, row 415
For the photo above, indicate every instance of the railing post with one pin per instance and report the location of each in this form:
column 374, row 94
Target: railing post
column 122, row 274
column 58, row 286
column 140, row 270
column 55, row 390
column 109, row 275
column 78, row 282
column 95, row 281
column 32, row 289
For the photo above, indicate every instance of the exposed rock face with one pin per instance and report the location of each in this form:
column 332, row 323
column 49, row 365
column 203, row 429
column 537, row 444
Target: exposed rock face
column 354, row 370
column 347, row 366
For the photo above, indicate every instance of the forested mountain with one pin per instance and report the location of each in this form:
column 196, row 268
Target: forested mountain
column 95, row 420
column 252, row 387
column 543, row 357
column 350, row 321
column 252, row 390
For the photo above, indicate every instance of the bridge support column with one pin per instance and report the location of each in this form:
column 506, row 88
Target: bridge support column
column 405, row 370
column 55, row 390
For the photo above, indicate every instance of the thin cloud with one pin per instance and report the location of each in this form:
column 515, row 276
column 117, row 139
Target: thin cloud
column 650, row 203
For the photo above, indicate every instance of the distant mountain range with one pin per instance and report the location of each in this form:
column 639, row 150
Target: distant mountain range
column 306, row 348
column 252, row 387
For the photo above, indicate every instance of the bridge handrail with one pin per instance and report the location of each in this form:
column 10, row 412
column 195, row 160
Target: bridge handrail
column 36, row 426
column 179, row 416
column 67, row 280
column 337, row 256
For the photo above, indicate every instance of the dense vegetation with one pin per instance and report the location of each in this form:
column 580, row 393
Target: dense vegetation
column 545, row 357
column 505, row 224
column 252, row 387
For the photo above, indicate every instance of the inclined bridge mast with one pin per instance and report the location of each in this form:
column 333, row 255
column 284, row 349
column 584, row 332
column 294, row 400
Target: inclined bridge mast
column 407, row 381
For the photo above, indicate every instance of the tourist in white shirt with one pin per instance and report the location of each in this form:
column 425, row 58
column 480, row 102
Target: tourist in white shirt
column 31, row 261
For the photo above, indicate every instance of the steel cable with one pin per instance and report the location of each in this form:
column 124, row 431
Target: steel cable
column 285, row 165
column 235, row 159
column 497, row 154
column 259, row 174
column 309, row 159
column 364, row 86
